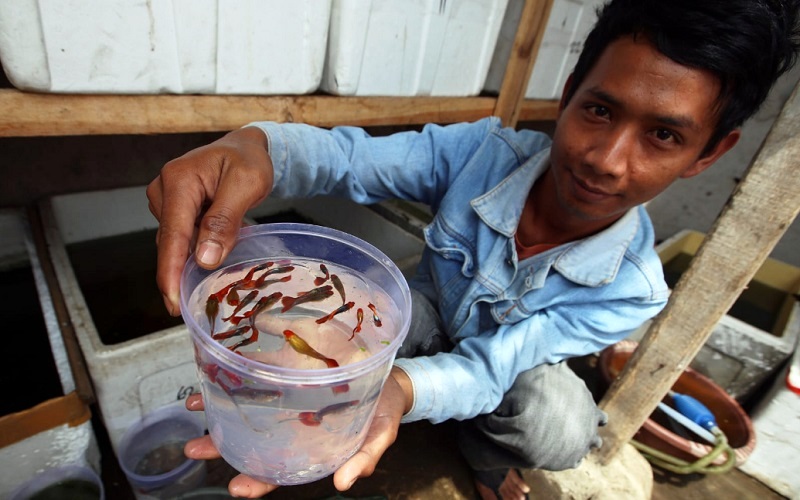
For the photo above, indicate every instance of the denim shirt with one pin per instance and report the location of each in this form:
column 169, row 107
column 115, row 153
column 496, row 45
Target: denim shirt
column 504, row 316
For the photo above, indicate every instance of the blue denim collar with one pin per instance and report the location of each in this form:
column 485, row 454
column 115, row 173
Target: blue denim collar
column 591, row 261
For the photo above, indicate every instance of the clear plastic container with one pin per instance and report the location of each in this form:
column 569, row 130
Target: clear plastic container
column 151, row 453
column 75, row 482
column 289, row 399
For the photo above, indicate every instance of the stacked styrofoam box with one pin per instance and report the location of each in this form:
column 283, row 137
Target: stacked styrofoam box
column 67, row 442
column 137, row 376
column 411, row 47
column 164, row 46
column 569, row 23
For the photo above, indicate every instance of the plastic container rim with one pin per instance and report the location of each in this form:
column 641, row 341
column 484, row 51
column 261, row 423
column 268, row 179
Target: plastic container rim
column 282, row 374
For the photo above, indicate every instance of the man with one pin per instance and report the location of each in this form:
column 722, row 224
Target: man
column 538, row 251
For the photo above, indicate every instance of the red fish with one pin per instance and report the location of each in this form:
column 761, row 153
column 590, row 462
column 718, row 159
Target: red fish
column 341, row 309
column 243, row 302
column 232, row 298
column 319, row 281
column 375, row 316
column 212, row 309
column 261, row 284
column 360, row 319
column 313, row 295
column 263, row 303
column 314, row 418
column 337, row 284
column 301, row 346
column 230, row 333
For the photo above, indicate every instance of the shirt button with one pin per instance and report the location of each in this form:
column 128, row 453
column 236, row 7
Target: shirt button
column 509, row 262
column 529, row 281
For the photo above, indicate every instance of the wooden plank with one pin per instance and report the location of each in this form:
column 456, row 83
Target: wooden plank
column 753, row 221
column 29, row 114
column 527, row 41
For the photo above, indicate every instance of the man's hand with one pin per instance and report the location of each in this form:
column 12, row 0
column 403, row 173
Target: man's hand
column 200, row 199
column 381, row 434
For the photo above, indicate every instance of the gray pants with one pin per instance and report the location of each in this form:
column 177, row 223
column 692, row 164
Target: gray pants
column 547, row 420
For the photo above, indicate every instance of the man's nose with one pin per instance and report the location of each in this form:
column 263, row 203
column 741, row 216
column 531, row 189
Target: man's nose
column 610, row 153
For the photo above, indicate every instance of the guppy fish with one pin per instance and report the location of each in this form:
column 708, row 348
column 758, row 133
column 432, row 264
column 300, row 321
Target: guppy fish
column 312, row 295
column 230, row 333
column 261, row 284
column 323, row 279
column 241, row 303
column 359, row 320
column 301, row 346
column 260, row 281
column 337, row 284
column 314, row 418
column 212, row 309
column 375, row 318
column 340, row 309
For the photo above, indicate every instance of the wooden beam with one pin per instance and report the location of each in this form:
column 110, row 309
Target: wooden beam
column 753, row 221
column 528, row 39
column 30, row 114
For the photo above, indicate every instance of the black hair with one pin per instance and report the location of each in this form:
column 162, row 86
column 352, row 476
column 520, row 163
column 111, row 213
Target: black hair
column 746, row 44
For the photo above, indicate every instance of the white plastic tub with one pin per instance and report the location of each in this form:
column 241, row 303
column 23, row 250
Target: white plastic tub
column 569, row 23
column 155, row 367
column 164, row 46
column 50, row 426
column 411, row 47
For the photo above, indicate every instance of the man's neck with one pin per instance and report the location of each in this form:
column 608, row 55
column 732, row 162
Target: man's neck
column 545, row 221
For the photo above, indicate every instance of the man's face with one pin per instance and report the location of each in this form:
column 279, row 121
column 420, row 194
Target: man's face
column 638, row 122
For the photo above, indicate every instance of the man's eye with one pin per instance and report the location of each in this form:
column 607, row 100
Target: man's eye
column 665, row 135
column 601, row 111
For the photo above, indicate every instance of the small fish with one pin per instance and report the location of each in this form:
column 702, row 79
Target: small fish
column 259, row 282
column 375, row 317
column 319, row 281
column 252, row 395
column 243, row 302
column 263, row 303
column 360, row 319
column 337, row 284
column 300, row 345
column 264, row 284
column 230, row 333
column 312, row 295
column 341, row 309
column 314, row 418
column 232, row 298
column 212, row 309
column 253, row 338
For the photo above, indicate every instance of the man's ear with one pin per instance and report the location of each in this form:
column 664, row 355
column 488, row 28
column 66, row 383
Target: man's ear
column 708, row 159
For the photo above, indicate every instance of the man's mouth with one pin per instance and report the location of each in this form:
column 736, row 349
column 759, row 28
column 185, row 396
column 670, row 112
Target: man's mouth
column 590, row 191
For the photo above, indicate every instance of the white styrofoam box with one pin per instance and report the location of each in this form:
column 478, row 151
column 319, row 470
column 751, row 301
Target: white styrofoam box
column 775, row 419
column 411, row 47
column 164, row 46
column 66, row 443
column 134, row 377
column 569, row 23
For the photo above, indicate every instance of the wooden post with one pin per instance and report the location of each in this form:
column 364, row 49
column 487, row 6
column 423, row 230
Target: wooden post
column 532, row 24
column 753, row 221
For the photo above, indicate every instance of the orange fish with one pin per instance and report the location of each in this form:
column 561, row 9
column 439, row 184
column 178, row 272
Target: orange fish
column 360, row 319
column 341, row 309
column 301, row 346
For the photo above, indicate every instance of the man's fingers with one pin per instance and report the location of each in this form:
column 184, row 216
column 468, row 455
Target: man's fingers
column 201, row 448
column 247, row 487
column 195, row 402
